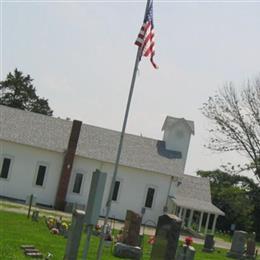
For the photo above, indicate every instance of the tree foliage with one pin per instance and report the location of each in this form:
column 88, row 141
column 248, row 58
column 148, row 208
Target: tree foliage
column 238, row 196
column 18, row 91
column 236, row 118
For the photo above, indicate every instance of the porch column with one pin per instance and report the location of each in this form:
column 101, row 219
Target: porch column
column 201, row 218
column 207, row 224
column 190, row 218
column 180, row 212
column 174, row 209
column 184, row 217
column 214, row 224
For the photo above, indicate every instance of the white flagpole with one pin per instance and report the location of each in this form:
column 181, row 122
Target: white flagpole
column 109, row 201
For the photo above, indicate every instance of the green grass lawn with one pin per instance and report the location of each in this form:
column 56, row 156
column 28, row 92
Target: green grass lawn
column 16, row 229
column 225, row 237
column 228, row 238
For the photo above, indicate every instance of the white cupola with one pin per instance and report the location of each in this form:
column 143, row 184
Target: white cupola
column 177, row 133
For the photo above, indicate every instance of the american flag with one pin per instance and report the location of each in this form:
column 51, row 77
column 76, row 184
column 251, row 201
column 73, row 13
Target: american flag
column 145, row 38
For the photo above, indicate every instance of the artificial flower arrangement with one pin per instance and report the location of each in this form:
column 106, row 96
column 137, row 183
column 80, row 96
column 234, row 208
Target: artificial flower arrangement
column 188, row 241
column 57, row 226
column 151, row 240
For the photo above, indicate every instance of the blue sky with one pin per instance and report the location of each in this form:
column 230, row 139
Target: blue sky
column 81, row 55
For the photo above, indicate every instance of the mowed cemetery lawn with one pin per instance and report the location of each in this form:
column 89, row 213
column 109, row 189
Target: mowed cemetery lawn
column 17, row 230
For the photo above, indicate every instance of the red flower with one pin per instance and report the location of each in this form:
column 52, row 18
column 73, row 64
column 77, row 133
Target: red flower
column 151, row 240
column 188, row 241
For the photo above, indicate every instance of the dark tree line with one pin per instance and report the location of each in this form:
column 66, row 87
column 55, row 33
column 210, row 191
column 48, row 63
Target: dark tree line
column 236, row 122
column 18, row 91
column 235, row 115
column 239, row 197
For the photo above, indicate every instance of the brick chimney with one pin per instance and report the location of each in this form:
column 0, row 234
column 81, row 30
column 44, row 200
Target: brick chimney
column 67, row 166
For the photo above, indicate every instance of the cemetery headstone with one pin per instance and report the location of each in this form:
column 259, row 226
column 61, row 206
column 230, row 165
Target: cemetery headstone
column 125, row 251
column 94, row 204
column 186, row 253
column 166, row 237
column 95, row 197
column 35, row 215
column 129, row 245
column 251, row 247
column 209, row 243
column 74, row 235
column 238, row 244
column 131, row 233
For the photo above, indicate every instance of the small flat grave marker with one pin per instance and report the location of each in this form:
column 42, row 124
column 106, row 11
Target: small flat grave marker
column 35, row 255
column 27, row 246
column 30, row 250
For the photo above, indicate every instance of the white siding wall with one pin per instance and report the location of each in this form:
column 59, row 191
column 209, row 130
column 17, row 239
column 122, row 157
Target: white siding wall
column 132, row 192
column 86, row 167
column 174, row 187
column 21, row 179
column 133, row 187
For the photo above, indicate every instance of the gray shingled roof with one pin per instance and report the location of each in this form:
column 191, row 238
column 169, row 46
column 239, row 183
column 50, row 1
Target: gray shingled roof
column 95, row 143
column 194, row 193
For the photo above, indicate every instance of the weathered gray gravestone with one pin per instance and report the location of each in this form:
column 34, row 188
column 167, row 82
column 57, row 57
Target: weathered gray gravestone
column 130, row 237
column 166, row 238
column 94, row 204
column 35, row 215
column 131, row 232
column 238, row 244
column 209, row 243
column 125, row 251
column 186, row 253
column 251, row 247
column 74, row 235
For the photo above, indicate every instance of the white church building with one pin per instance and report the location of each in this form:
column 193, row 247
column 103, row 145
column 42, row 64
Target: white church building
column 54, row 159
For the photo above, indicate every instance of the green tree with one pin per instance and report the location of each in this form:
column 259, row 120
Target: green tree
column 238, row 196
column 236, row 122
column 18, row 91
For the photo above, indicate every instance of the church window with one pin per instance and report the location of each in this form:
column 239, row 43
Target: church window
column 41, row 174
column 149, row 197
column 77, row 183
column 6, row 164
column 116, row 191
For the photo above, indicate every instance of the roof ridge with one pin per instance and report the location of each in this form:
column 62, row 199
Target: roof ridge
column 35, row 113
column 117, row 131
column 84, row 124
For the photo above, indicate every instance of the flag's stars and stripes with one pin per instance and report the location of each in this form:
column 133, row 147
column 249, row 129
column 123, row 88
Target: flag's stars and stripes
column 145, row 38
